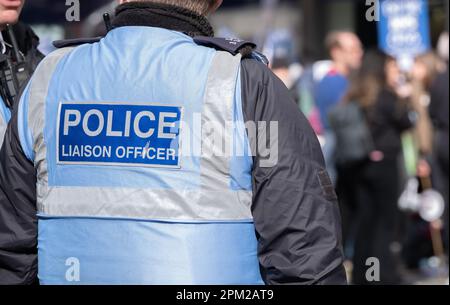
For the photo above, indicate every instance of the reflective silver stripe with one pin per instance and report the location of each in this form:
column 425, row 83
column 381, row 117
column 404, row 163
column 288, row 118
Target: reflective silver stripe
column 217, row 112
column 36, row 115
column 148, row 204
column 3, row 126
column 213, row 201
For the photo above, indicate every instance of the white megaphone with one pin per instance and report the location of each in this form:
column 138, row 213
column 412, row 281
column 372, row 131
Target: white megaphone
column 432, row 205
column 409, row 201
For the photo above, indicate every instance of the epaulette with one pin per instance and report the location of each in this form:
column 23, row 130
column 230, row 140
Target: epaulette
column 233, row 46
column 74, row 42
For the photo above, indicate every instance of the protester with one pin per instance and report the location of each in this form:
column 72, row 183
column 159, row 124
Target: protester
column 345, row 50
column 439, row 112
column 378, row 90
column 416, row 242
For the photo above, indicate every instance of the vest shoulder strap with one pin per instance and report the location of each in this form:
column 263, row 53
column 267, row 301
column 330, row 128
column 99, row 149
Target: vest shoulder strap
column 233, row 46
column 74, row 42
column 230, row 45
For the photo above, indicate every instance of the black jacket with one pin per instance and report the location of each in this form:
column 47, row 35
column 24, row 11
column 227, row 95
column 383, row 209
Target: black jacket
column 388, row 119
column 439, row 112
column 294, row 206
column 27, row 42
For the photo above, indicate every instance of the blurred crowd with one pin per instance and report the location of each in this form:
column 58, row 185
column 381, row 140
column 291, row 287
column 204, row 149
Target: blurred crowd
column 383, row 125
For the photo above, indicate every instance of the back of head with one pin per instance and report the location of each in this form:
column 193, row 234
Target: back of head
column 201, row 7
column 338, row 39
column 345, row 49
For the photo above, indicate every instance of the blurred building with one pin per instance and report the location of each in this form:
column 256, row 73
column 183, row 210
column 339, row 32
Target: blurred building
column 307, row 20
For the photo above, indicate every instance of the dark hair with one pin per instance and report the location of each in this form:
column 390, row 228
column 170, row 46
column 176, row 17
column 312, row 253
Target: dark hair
column 366, row 83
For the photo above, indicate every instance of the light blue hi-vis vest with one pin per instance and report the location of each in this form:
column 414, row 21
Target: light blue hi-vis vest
column 120, row 200
column 5, row 116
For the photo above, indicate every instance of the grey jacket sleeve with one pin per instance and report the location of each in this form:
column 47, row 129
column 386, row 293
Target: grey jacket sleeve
column 18, row 220
column 295, row 207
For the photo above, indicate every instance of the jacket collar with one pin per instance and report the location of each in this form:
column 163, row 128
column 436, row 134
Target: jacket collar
column 162, row 16
column 26, row 38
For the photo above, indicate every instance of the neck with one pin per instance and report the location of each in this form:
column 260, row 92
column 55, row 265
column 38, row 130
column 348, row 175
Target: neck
column 163, row 16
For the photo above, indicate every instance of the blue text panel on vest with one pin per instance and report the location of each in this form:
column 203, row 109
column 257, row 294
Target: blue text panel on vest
column 119, row 134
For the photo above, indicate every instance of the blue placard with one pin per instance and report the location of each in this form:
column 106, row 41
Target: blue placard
column 119, row 134
column 404, row 29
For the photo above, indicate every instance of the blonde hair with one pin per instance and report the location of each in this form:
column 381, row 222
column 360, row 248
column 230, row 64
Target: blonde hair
column 432, row 64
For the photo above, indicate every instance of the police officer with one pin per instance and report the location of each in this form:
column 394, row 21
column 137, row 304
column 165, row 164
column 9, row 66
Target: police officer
column 18, row 57
column 121, row 147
